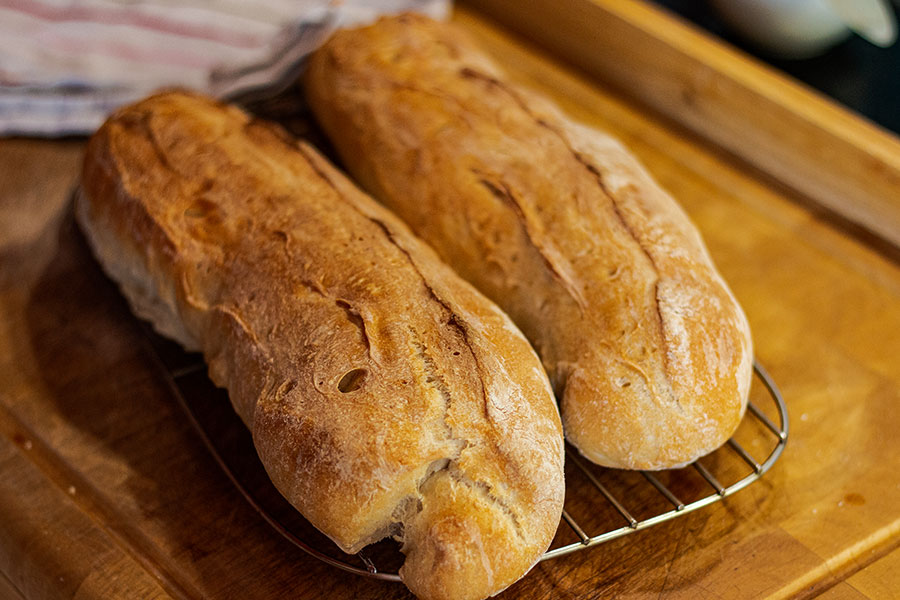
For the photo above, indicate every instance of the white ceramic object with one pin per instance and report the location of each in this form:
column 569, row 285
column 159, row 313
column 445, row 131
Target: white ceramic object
column 805, row 28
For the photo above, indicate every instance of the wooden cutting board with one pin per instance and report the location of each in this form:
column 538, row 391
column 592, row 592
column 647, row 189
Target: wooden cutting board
column 107, row 492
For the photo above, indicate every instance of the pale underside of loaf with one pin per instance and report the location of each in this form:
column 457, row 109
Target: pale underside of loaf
column 647, row 348
column 385, row 395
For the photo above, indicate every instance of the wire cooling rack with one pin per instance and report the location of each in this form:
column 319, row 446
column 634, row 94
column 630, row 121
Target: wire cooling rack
column 605, row 498
column 719, row 491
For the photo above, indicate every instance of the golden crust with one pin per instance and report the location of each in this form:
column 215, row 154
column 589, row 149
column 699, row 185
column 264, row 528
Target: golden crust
column 556, row 222
column 384, row 394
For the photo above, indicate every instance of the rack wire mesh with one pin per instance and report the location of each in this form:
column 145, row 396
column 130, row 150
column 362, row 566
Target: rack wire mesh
column 719, row 478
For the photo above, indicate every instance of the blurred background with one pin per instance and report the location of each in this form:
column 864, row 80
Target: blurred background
column 845, row 66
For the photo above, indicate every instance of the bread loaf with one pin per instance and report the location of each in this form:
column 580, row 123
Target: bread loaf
column 384, row 394
column 647, row 349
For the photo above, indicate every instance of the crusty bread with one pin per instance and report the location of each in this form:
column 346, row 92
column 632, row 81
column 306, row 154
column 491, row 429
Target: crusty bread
column 385, row 395
column 647, row 349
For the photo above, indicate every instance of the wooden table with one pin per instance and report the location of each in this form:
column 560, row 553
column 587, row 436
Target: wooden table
column 106, row 491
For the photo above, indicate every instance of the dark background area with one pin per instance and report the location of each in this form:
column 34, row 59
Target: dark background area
column 857, row 74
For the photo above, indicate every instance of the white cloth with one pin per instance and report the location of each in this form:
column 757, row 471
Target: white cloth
column 66, row 64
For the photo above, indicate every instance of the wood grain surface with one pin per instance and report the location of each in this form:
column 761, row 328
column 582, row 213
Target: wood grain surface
column 880, row 579
column 106, row 491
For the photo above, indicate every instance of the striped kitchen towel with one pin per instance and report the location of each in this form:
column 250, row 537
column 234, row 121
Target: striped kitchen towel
column 66, row 64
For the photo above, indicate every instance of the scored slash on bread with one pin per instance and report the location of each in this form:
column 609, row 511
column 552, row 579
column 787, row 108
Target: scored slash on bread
column 385, row 395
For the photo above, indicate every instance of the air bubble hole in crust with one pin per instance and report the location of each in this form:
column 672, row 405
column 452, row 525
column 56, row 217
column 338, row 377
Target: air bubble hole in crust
column 351, row 381
column 200, row 209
